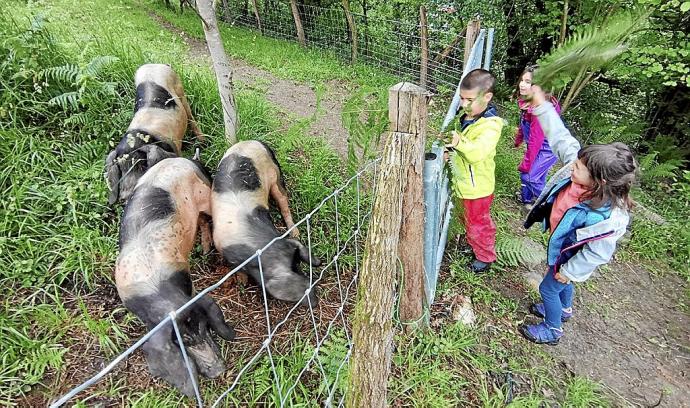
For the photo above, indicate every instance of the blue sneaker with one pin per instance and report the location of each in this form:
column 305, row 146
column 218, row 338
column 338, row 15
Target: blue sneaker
column 541, row 333
column 478, row 266
column 538, row 310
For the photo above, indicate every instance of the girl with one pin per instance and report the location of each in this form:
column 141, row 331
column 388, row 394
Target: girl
column 585, row 206
column 538, row 158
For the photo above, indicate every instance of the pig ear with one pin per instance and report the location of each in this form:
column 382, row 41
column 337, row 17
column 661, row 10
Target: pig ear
column 112, row 177
column 154, row 154
column 215, row 318
column 304, row 253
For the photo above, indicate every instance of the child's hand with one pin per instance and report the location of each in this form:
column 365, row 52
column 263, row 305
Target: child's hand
column 538, row 95
column 455, row 139
column 561, row 278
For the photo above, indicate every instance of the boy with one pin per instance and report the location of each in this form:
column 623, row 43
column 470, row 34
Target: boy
column 472, row 152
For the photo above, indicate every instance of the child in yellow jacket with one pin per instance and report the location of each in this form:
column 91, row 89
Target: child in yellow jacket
column 472, row 152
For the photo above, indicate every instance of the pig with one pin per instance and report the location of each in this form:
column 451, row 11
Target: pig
column 157, row 233
column 247, row 176
column 161, row 114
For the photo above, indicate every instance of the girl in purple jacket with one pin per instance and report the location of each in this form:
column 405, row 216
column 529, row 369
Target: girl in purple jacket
column 538, row 158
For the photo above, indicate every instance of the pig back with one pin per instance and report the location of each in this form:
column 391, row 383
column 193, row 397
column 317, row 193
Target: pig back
column 160, row 221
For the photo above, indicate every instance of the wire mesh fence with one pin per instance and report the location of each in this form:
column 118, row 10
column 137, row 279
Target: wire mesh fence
column 393, row 45
column 297, row 354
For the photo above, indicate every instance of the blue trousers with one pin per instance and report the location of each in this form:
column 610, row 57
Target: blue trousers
column 556, row 296
column 532, row 183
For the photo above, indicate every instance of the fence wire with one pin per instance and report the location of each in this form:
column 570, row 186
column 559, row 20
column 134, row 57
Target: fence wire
column 393, row 45
column 350, row 247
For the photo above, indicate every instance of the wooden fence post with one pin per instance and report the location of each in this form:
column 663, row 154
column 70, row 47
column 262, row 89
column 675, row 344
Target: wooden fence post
column 470, row 36
column 298, row 23
column 424, row 63
column 411, row 245
column 353, row 29
column 372, row 329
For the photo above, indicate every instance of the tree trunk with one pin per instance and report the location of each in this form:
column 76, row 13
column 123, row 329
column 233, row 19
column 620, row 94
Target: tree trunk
column 226, row 11
column 353, row 29
column 564, row 23
column 256, row 14
column 372, row 328
column 298, row 23
column 222, row 68
column 424, row 62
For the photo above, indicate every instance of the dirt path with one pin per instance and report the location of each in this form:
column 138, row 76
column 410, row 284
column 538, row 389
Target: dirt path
column 290, row 96
column 631, row 334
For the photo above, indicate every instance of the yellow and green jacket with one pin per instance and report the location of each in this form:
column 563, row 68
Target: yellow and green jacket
column 472, row 159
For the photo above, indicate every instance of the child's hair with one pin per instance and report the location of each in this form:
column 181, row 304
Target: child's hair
column 478, row 79
column 612, row 168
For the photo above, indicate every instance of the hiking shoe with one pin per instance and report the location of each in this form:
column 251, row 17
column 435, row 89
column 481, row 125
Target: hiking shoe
column 479, row 266
column 538, row 310
column 541, row 333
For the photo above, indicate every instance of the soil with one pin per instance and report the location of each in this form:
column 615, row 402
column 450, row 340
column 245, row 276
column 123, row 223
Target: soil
column 291, row 97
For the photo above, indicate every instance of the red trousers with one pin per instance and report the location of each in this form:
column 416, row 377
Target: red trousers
column 481, row 230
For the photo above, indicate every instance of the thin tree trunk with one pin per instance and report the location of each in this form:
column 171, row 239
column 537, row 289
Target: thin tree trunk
column 564, row 23
column 226, row 11
column 222, row 68
column 449, row 48
column 298, row 23
column 424, row 63
column 353, row 29
column 256, row 14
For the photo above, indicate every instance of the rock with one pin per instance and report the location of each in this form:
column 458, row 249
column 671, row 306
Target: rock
column 462, row 311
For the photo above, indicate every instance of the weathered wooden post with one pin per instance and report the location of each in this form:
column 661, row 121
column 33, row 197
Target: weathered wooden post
column 353, row 29
column 298, row 23
column 471, row 35
column 373, row 326
column 424, row 63
column 411, row 246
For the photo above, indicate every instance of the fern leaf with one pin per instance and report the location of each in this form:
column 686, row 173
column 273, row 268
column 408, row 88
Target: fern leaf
column 589, row 50
column 96, row 66
column 66, row 100
column 64, row 73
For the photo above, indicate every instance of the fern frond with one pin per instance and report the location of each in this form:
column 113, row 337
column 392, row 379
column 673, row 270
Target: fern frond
column 96, row 66
column 66, row 100
column 515, row 251
column 588, row 51
column 64, row 73
column 77, row 119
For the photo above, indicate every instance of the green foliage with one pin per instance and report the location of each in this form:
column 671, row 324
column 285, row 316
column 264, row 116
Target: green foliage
column 654, row 171
column 365, row 116
column 513, row 252
column 589, row 50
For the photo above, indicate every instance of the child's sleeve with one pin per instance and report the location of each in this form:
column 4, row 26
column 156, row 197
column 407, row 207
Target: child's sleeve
column 594, row 253
column 478, row 149
column 536, row 138
column 562, row 143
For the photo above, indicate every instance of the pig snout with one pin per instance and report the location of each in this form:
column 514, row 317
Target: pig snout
column 165, row 360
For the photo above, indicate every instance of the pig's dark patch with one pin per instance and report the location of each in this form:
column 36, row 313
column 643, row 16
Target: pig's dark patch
column 180, row 279
column 235, row 174
column 147, row 205
column 152, row 95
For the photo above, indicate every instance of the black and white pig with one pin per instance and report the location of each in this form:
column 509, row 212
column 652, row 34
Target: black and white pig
column 161, row 113
column 157, row 235
column 247, row 175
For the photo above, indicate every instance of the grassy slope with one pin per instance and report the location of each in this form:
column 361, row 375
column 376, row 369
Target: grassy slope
column 68, row 237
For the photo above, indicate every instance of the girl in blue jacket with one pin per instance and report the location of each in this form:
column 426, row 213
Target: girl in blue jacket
column 585, row 206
